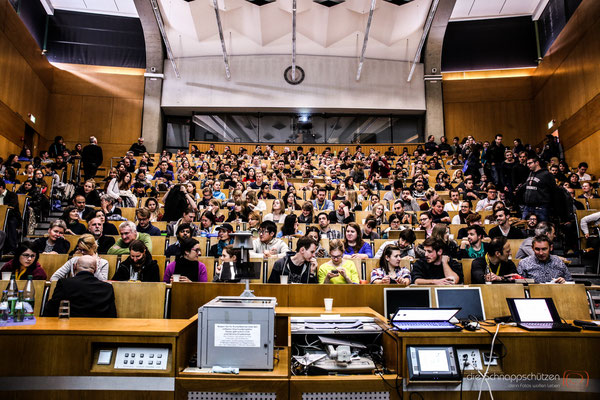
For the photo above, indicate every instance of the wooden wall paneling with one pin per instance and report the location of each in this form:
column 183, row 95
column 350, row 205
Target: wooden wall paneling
column 65, row 117
column 126, row 121
column 87, row 80
column 588, row 149
column 96, row 118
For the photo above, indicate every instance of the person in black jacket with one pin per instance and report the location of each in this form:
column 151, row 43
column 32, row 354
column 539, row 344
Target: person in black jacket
column 89, row 297
column 139, row 266
column 13, row 219
column 495, row 264
column 504, row 227
column 57, row 147
column 300, row 267
column 343, row 214
column 54, row 243
column 92, row 158
column 539, row 190
column 138, row 148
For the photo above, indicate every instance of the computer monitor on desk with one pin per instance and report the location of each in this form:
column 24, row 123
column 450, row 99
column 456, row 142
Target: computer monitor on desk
column 468, row 298
column 394, row 298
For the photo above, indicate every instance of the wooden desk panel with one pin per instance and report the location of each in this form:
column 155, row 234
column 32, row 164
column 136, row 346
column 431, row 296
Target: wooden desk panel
column 100, row 326
column 186, row 298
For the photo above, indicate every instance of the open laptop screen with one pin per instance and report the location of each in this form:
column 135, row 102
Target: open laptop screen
column 533, row 310
column 394, row 298
column 469, row 299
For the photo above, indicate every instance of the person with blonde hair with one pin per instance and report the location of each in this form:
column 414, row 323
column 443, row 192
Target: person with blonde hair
column 338, row 270
column 86, row 246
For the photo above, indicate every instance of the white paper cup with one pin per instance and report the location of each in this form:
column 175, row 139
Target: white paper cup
column 6, row 276
column 328, row 304
column 176, row 277
column 283, row 279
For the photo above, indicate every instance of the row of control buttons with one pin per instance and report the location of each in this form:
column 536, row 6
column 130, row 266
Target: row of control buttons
column 141, row 362
column 142, row 355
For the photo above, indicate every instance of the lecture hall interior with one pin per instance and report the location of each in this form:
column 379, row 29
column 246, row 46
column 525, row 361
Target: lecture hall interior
column 299, row 199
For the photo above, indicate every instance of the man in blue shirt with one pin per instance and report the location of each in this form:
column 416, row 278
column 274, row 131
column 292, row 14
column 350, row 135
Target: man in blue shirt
column 321, row 203
column 163, row 174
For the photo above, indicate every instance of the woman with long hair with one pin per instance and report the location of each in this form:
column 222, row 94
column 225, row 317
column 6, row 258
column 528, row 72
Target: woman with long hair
column 154, row 207
column 139, row 266
column 339, row 192
column 290, row 227
column 365, row 192
column 186, row 265
column 379, row 213
column 239, row 213
column 389, row 269
column 254, row 221
column 25, row 263
column 250, row 176
column 352, row 197
column 175, row 201
column 290, row 202
column 214, row 206
column 278, row 213
column 86, row 246
column 354, row 245
column 253, row 203
column 71, row 217
column 125, row 194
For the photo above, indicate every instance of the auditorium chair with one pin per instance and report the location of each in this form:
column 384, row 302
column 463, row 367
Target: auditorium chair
column 140, row 299
column 52, row 262
column 571, row 300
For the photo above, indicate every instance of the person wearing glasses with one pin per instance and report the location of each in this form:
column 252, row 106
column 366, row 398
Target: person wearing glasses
column 426, row 223
column 267, row 245
column 538, row 190
column 338, row 270
column 25, row 263
column 186, row 265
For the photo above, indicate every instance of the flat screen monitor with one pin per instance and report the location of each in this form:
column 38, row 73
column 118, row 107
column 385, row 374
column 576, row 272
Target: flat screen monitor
column 394, row 298
column 468, row 298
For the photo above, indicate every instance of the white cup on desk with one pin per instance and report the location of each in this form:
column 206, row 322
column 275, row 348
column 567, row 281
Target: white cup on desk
column 6, row 276
column 328, row 304
column 283, row 279
column 176, row 277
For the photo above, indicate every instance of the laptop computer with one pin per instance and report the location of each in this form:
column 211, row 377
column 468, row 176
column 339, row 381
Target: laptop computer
column 538, row 314
column 394, row 298
column 416, row 319
column 469, row 300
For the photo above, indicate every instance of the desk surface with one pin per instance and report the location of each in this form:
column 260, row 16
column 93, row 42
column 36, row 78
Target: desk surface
column 504, row 331
column 102, row 326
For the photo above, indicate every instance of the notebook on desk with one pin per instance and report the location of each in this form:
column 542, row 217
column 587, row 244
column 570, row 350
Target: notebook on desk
column 538, row 315
column 416, row 319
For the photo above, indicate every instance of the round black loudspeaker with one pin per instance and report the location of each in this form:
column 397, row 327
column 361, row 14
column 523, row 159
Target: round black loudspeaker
column 287, row 75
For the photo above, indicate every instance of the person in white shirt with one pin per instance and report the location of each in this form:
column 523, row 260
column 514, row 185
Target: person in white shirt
column 487, row 203
column 581, row 172
column 267, row 245
column 454, row 203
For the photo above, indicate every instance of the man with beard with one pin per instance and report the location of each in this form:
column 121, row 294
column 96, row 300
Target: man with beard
column 436, row 269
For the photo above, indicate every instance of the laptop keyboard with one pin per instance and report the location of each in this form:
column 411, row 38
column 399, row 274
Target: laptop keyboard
column 423, row 325
column 555, row 326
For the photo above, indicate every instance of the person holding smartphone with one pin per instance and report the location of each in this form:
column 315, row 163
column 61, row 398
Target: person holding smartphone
column 338, row 270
